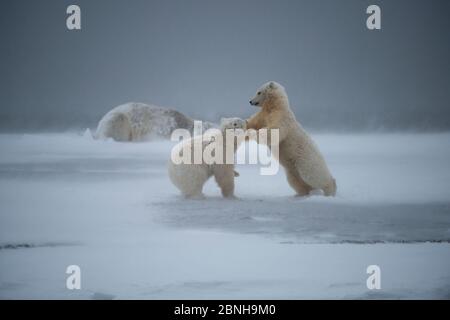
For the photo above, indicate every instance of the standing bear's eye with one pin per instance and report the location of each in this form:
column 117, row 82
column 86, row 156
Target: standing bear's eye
column 259, row 93
column 235, row 124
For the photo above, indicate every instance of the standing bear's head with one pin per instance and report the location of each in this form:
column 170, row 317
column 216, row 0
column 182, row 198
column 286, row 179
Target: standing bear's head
column 268, row 92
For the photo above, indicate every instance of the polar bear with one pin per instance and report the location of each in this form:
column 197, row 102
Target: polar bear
column 140, row 122
column 189, row 178
column 304, row 164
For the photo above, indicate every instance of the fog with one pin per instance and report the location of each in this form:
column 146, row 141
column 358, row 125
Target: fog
column 207, row 57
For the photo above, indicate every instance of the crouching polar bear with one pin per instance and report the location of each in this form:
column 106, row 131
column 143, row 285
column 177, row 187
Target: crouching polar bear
column 140, row 122
column 190, row 176
column 304, row 164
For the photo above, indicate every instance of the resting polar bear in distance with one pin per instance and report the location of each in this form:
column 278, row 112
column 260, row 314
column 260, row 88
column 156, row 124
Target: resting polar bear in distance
column 304, row 164
column 140, row 122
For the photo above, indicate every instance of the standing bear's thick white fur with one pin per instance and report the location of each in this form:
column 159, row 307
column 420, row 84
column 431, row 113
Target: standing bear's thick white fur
column 190, row 178
column 305, row 166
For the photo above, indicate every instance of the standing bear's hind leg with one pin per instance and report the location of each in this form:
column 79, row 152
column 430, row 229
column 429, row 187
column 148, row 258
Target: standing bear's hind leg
column 297, row 183
column 330, row 189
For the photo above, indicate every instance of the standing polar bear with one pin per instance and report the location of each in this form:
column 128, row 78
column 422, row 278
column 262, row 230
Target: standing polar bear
column 304, row 164
column 190, row 177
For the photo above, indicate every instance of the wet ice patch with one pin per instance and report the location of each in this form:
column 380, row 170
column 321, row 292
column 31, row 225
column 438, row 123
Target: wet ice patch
column 315, row 222
column 13, row 246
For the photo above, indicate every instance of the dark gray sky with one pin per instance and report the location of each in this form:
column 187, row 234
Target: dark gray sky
column 207, row 57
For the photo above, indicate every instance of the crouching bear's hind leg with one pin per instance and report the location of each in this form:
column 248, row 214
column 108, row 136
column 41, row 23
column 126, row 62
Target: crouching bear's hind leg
column 194, row 190
column 224, row 175
column 194, row 196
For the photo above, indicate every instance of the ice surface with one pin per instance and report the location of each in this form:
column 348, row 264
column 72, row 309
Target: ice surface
column 110, row 208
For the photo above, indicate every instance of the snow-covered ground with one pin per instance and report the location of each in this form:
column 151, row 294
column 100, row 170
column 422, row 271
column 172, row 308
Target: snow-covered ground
column 110, row 208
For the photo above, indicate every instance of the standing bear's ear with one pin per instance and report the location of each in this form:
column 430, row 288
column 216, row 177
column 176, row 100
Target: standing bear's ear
column 271, row 85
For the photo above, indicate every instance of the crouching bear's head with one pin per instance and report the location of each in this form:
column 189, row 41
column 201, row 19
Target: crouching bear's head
column 266, row 93
column 233, row 123
column 233, row 131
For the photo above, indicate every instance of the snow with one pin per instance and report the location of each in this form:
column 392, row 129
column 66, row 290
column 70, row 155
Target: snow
column 110, row 208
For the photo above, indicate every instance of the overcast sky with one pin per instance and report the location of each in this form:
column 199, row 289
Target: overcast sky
column 207, row 57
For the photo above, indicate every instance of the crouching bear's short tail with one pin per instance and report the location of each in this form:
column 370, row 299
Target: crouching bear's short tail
column 330, row 189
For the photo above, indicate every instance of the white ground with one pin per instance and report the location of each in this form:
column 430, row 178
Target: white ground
column 111, row 209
